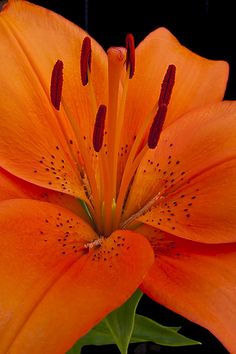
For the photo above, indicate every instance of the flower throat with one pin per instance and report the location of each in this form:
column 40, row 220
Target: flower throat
column 106, row 187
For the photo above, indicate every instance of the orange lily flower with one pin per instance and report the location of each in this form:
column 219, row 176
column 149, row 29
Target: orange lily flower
column 148, row 191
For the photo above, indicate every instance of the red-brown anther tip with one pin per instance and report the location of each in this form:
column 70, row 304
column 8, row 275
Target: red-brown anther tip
column 56, row 84
column 98, row 132
column 167, row 85
column 157, row 125
column 130, row 58
column 85, row 60
column 164, row 99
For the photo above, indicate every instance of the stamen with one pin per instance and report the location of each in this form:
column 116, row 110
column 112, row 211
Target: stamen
column 157, row 125
column 98, row 132
column 167, row 85
column 130, row 58
column 56, row 84
column 85, row 60
column 164, row 99
column 141, row 211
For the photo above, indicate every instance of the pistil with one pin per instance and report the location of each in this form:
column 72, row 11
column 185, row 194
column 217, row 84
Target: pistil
column 116, row 60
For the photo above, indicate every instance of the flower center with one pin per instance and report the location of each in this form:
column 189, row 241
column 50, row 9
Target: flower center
column 107, row 182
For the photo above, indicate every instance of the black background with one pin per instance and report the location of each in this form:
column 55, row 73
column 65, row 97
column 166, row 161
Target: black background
column 207, row 27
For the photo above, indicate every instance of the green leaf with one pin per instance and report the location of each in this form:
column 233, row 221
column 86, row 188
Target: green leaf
column 121, row 322
column 147, row 330
column 99, row 335
column 76, row 349
column 116, row 328
column 122, row 327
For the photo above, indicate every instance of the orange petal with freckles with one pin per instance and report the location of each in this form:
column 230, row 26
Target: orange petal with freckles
column 53, row 290
column 12, row 187
column 190, row 178
column 195, row 280
column 39, row 143
column 199, row 81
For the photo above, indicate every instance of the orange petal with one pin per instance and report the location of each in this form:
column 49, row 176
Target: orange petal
column 12, row 187
column 191, row 177
column 199, row 81
column 53, row 290
column 195, row 280
column 38, row 143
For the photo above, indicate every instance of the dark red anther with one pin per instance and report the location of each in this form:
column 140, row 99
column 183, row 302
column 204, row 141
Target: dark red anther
column 164, row 99
column 56, row 84
column 157, row 125
column 167, row 85
column 130, row 58
column 85, row 60
column 99, row 126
